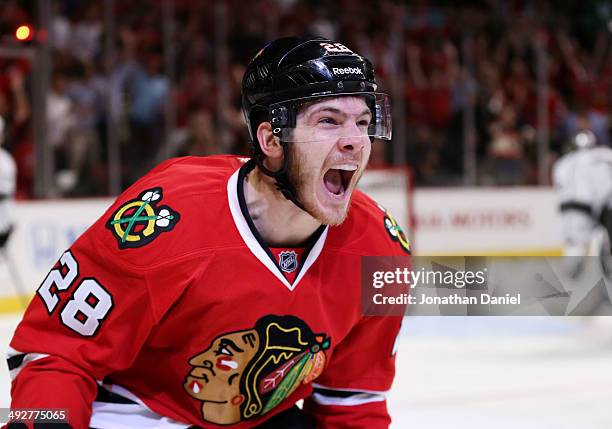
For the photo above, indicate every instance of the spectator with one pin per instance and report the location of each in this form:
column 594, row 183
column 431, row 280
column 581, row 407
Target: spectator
column 202, row 138
column 458, row 57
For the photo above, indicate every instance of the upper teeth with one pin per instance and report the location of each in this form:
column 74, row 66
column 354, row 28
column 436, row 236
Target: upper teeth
column 347, row 167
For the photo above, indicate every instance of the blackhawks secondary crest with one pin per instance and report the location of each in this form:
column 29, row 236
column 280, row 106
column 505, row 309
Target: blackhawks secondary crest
column 246, row 373
column 394, row 230
column 137, row 222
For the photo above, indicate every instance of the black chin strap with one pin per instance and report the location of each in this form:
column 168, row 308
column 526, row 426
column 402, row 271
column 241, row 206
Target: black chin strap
column 281, row 179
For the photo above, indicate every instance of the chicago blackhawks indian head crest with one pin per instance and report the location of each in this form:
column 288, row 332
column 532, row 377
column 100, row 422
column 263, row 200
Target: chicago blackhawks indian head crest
column 244, row 374
column 139, row 221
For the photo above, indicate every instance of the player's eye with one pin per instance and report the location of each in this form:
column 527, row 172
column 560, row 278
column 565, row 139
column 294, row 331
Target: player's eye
column 328, row 121
column 363, row 123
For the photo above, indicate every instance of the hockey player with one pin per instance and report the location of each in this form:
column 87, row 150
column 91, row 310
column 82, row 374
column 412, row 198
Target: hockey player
column 583, row 179
column 8, row 176
column 220, row 290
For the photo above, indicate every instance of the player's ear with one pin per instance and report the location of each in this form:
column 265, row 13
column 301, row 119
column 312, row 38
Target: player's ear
column 269, row 144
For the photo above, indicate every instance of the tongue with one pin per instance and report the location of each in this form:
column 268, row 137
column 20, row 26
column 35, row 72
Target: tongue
column 333, row 181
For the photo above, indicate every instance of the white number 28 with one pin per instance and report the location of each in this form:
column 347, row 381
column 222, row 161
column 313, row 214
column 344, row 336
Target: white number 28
column 89, row 304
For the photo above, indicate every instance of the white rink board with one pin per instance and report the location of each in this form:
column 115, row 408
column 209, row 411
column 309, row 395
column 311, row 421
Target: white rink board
column 449, row 222
column 463, row 221
column 44, row 230
column 389, row 188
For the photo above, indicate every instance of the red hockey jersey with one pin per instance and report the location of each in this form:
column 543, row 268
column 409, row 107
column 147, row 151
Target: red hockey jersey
column 171, row 311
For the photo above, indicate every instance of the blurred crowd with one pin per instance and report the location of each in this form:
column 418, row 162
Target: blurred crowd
column 472, row 64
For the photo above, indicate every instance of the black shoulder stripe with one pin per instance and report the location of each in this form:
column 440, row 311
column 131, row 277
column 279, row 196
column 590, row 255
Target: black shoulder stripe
column 109, row 397
column 15, row 361
column 336, row 393
column 575, row 205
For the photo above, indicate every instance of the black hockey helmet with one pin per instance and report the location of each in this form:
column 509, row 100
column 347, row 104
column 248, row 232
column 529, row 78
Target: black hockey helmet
column 584, row 139
column 291, row 71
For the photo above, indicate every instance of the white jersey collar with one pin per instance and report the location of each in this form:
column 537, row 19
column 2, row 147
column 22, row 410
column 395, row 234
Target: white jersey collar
column 254, row 245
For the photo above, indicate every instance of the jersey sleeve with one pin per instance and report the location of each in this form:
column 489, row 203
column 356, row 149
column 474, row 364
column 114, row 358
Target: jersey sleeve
column 583, row 183
column 88, row 318
column 94, row 310
column 573, row 181
column 351, row 392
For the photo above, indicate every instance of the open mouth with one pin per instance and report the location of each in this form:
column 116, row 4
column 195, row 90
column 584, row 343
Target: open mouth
column 338, row 178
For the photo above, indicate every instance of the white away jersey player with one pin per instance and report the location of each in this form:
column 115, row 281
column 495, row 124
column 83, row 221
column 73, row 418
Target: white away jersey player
column 583, row 179
column 8, row 176
column 170, row 306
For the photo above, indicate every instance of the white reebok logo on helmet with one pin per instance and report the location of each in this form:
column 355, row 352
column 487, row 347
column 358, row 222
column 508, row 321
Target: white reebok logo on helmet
column 347, row 70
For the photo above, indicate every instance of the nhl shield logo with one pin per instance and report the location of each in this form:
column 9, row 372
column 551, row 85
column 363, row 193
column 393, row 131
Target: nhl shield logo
column 288, row 261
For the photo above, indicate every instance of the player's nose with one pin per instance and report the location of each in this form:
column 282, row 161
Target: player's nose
column 353, row 143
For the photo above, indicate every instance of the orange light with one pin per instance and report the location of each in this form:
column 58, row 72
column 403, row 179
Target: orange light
column 23, row 32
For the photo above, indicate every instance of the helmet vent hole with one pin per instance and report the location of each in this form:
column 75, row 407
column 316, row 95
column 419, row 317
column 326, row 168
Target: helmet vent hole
column 292, row 78
column 302, row 77
column 263, row 70
column 250, row 80
column 309, row 77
